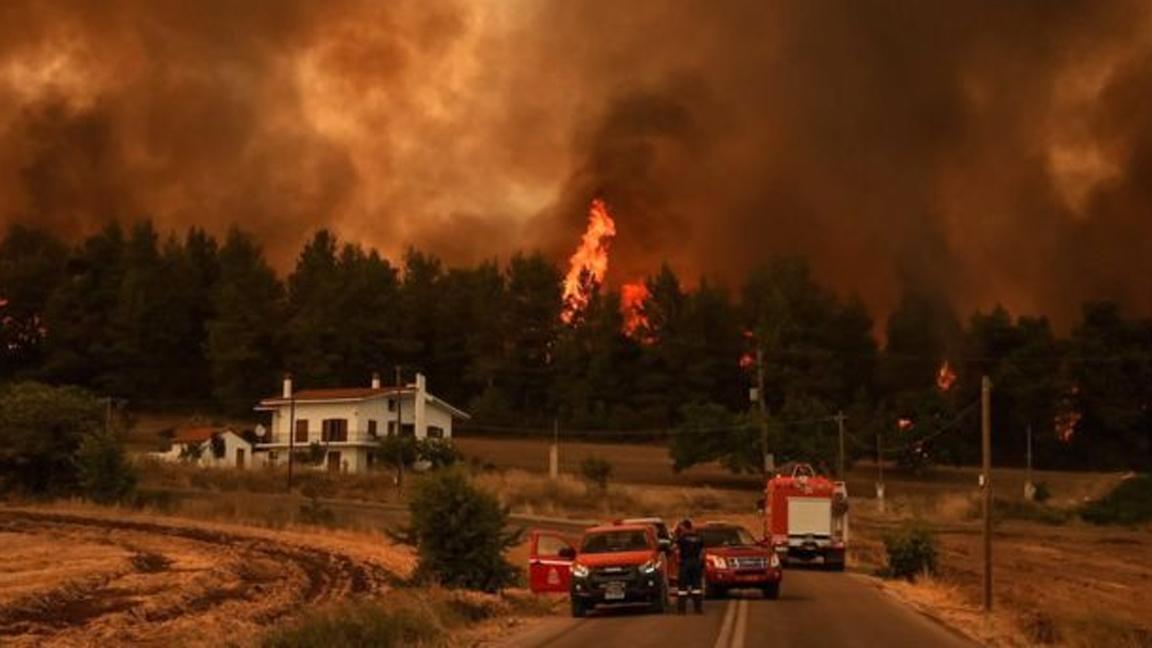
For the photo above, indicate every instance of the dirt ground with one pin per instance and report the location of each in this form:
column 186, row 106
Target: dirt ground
column 82, row 576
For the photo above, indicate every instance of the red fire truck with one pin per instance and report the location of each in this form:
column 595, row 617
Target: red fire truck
column 806, row 517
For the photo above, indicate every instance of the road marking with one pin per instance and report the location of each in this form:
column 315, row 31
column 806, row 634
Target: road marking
column 741, row 624
column 734, row 628
column 726, row 626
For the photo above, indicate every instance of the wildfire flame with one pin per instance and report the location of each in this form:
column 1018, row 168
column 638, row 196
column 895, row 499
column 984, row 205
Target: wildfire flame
column 1067, row 416
column 945, row 377
column 632, row 298
column 589, row 264
column 748, row 359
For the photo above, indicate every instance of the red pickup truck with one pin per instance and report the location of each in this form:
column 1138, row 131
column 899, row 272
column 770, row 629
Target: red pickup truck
column 619, row 563
column 734, row 560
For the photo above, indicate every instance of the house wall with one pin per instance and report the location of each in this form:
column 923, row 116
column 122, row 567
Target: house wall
column 358, row 414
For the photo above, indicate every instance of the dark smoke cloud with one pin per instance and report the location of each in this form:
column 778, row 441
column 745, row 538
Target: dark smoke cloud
column 992, row 151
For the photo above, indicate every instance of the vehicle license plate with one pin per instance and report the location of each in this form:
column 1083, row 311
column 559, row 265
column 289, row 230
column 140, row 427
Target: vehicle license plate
column 614, row 592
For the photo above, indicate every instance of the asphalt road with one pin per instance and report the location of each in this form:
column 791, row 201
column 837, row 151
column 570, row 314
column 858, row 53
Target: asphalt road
column 817, row 609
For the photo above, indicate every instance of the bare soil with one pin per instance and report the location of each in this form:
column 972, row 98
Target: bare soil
column 85, row 576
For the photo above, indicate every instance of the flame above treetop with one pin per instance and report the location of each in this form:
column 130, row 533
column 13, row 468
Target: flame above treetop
column 945, row 377
column 589, row 263
column 632, row 298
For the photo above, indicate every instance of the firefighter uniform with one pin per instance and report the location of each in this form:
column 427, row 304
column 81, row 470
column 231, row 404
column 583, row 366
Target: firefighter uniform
column 690, row 548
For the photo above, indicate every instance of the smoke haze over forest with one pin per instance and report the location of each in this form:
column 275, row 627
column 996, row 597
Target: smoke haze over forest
column 991, row 151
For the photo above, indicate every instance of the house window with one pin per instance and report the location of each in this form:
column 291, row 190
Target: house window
column 302, row 431
column 391, row 428
column 334, row 430
column 435, row 432
column 273, row 457
column 408, row 430
column 391, row 405
column 372, row 432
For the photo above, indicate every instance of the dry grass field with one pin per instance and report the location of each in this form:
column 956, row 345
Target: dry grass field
column 74, row 575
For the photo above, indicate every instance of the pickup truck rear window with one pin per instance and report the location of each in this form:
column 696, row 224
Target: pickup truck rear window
column 615, row 541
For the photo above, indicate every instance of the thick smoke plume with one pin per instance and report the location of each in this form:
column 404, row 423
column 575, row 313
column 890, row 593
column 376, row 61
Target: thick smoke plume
column 993, row 151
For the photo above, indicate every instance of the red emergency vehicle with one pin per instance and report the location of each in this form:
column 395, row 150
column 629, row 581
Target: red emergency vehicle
column 806, row 517
column 611, row 564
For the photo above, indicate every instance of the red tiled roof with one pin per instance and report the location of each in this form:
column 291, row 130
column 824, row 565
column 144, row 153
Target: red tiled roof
column 198, row 434
column 348, row 393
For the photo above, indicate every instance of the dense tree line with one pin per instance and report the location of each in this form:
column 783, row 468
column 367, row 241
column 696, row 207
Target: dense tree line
column 192, row 321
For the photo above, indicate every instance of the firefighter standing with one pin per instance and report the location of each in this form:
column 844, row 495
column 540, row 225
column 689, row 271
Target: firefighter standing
column 691, row 552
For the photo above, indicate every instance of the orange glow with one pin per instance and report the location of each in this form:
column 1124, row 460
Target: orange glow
column 904, row 424
column 945, row 377
column 1067, row 416
column 748, row 358
column 589, row 264
column 632, row 298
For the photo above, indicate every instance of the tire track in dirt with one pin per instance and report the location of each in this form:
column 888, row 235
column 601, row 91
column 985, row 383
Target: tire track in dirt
column 177, row 577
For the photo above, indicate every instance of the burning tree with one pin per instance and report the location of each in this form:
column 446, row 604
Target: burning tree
column 589, row 263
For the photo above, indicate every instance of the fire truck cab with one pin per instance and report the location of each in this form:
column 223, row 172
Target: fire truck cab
column 806, row 517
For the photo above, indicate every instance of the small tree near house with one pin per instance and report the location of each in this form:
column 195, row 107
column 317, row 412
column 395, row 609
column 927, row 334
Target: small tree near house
column 219, row 448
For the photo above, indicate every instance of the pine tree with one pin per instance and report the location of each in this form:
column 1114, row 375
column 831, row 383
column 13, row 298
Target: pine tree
column 243, row 346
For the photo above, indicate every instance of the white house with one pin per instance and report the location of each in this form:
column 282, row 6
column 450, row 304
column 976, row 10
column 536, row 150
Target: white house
column 209, row 447
column 348, row 422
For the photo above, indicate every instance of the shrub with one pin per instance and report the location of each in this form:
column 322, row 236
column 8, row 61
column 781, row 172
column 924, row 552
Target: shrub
column 911, row 552
column 438, row 452
column 313, row 511
column 360, row 624
column 1015, row 509
column 191, row 452
column 459, row 534
column 41, row 429
column 105, row 475
column 1041, row 493
column 1129, row 503
column 218, row 446
column 596, row 471
column 394, row 449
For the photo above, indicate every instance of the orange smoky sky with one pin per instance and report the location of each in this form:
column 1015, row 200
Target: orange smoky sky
column 991, row 151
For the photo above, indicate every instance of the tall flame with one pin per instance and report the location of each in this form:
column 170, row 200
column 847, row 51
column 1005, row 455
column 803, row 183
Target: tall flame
column 1067, row 416
column 632, row 298
column 589, row 264
column 945, row 377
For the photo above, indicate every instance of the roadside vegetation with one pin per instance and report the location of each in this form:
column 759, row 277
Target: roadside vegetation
column 60, row 442
column 1129, row 503
column 406, row 617
column 460, row 534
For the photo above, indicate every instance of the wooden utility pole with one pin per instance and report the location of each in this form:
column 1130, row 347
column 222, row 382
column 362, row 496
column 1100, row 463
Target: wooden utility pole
column 1029, row 487
column 399, row 431
column 291, row 433
column 554, row 451
column 880, row 469
column 763, row 410
column 986, row 484
column 840, row 456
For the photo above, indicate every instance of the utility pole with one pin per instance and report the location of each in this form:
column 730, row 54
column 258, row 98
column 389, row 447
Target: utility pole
column 880, row 469
column 840, row 457
column 554, row 451
column 291, row 433
column 399, row 431
column 986, row 484
column 1029, row 487
column 768, row 467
